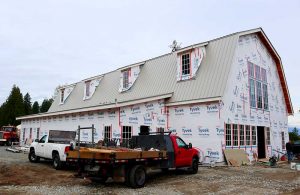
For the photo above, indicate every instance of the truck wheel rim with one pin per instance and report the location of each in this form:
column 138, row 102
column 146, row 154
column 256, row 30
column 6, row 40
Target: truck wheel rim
column 33, row 156
column 55, row 162
column 140, row 177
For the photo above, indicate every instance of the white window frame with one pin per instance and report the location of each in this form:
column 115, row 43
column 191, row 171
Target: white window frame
column 125, row 82
column 248, row 135
column 126, row 132
column 253, row 135
column 228, row 136
column 235, row 135
column 87, row 89
column 242, row 134
column 107, row 133
column 186, row 64
column 62, row 96
column 268, row 136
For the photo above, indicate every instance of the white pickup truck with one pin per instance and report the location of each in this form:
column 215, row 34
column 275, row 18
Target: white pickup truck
column 53, row 146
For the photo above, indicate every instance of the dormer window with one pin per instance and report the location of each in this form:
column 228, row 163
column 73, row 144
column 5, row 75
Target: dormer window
column 62, row 96
column 189, row 61
column 126, row 78
column 87, row 88
column 185, row 64
column 90, row 86
column 64, row 93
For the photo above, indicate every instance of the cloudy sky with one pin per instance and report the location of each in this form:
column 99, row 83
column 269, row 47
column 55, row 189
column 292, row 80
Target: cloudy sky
column 46, row 43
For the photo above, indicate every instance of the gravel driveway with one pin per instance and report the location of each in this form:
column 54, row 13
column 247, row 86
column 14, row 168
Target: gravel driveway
column 19, row 176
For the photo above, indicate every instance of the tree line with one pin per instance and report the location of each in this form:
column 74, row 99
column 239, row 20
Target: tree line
column 18, row 105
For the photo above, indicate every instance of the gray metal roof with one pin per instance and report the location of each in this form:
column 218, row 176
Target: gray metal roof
column 158, row 77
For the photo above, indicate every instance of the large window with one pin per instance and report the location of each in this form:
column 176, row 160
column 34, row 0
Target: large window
column 242, row 135
column 185, row 64
column 235, row 135
column 258, row 87
column 107, row 132
column 228, row 135
column 125, row 78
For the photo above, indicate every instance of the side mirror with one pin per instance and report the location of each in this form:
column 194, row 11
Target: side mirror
column 36, row 140
column 190, row 145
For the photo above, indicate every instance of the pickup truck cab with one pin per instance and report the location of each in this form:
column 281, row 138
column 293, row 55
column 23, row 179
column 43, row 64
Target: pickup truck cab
column 53, row 146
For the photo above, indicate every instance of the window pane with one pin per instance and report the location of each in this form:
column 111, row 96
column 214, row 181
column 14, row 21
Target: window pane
column 252, row 93
column 265, row 94
column 259, row 94
column 257, row 72
column 282, row 140
column 235, row 135
column 248, row 135
column 242, row 135
column 250, row 70
column 268, row 136
column 125, row 79
column 264, row 75
column 253, row 129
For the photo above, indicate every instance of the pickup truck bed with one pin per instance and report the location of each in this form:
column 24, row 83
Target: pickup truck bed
column 113, row 154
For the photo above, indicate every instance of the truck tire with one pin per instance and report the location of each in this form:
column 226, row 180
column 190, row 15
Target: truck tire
column 57, row 164
column 9, row 142
column 32, row 157
column 194, row 167
column 137, row 176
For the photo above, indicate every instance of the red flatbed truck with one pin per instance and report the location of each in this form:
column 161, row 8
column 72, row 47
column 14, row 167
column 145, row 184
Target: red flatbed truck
column 148, row 152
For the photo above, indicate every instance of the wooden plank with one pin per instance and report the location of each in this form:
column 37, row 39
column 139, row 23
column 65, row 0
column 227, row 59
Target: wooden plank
column 237, row 156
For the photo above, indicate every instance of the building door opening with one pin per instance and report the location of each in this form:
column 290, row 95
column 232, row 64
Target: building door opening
column 144, row 130
column 261, row 142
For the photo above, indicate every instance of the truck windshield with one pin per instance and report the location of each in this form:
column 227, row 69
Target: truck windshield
column 58, row 136
column 9, row 129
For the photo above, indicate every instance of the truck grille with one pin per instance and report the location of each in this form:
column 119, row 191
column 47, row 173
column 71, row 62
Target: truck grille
column 1, row 135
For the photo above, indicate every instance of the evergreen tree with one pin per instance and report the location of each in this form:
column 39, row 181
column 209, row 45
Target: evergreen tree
column 46, row 105
column 13, row 107
column 294, row 135
column 27, row 104
column 35, row 108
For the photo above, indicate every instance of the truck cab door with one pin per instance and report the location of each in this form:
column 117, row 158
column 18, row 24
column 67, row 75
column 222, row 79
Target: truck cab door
column 183, row 154
column 40, row 147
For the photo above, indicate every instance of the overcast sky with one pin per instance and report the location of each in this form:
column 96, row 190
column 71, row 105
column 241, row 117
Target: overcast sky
column 46, row 43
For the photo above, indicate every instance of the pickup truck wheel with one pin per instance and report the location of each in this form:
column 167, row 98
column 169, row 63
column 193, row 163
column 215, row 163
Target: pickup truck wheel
column 194, row 167
column 137, row 176
column 57, row 164
column 32, row 157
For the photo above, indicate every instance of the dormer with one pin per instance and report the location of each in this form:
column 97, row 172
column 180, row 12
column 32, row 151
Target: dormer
column 90, row 86
column 128, row 76
column 64, row 92
column 189, row 60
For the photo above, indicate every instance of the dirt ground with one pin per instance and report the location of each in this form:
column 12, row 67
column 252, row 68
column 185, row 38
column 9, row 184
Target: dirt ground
column 19, row 176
